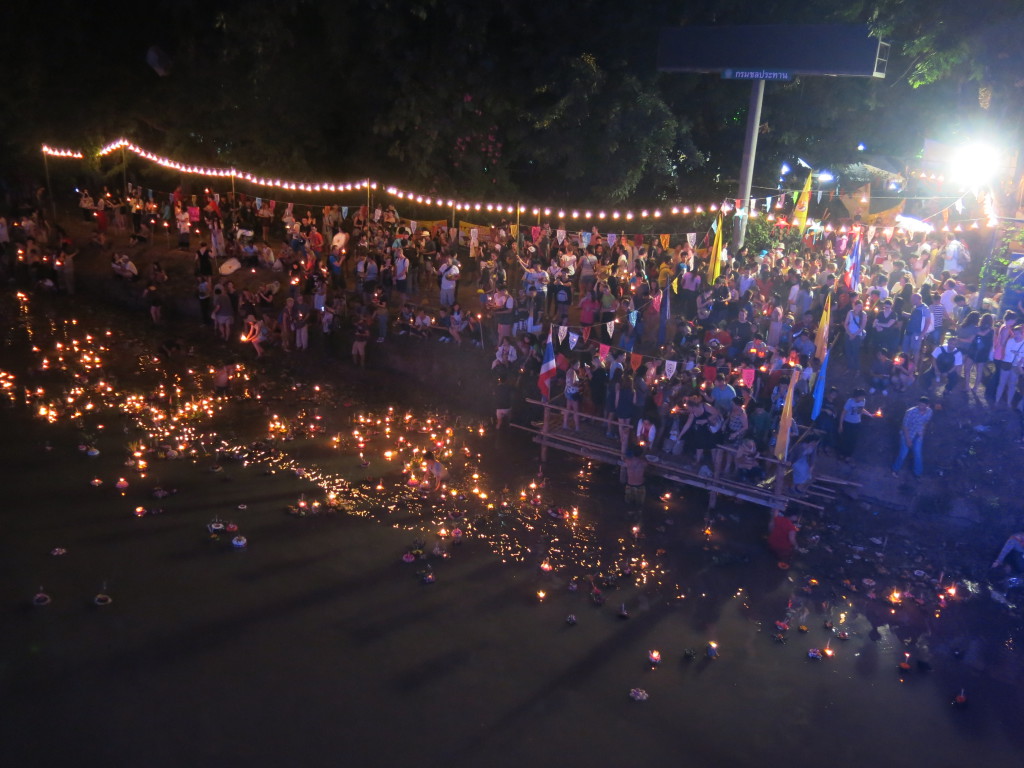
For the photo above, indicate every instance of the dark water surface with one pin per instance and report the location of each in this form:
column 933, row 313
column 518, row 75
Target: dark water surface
column 317, row 644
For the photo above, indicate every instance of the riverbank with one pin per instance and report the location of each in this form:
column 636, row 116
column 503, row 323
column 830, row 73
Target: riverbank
column 317, row 642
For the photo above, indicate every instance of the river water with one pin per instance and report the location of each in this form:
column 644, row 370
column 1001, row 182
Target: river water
column 318, row 642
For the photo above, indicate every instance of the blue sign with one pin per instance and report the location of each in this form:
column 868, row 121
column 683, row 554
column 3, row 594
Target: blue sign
column 756, row 74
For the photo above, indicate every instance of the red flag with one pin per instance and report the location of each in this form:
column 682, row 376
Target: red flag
column 604, row 350
column 635, row 360
column 586, row 333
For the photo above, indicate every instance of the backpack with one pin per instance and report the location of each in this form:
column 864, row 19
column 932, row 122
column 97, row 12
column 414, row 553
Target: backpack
column 945, row 361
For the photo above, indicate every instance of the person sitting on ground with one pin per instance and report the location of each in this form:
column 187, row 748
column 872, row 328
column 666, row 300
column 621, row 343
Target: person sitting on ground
column 444, row 325
column 505, row 355
column 881, row 372
column 256, row 334
column 422, row 324
column 436, row 472
column 748, row 465
column 458, row 324
column 124, row 267
column 902, row 372
column 1011, row 556
column 406, row 319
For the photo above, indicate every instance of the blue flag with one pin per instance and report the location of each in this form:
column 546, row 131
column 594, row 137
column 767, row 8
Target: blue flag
column 819, row 387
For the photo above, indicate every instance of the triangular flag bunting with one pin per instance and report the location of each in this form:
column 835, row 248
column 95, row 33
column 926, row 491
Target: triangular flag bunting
column 586, row 333
column 636, row 360
column 610, row 325
column 603, row 350
column 670, row 368
column 573, row 340
column 562, row 330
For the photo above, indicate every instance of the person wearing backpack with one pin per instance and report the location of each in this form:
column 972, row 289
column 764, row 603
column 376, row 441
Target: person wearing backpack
column 949, row 362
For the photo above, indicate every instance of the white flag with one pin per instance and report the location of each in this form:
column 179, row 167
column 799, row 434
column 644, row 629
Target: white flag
column 560, row 236
column 562, row 330
column 412, row 226
column 670, row 368
column 610, row 325
column 871, row 233
column 691, row 238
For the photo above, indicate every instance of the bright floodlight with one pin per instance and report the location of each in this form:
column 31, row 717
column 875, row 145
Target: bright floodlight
column 861, row 147
column 913, row 225
column 974, row 164
column 785, row 168
column 825, row 176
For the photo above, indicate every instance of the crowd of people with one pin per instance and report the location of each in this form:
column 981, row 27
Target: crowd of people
column 669, row 362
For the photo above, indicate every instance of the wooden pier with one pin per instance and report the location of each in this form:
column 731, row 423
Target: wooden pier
column 592, row 442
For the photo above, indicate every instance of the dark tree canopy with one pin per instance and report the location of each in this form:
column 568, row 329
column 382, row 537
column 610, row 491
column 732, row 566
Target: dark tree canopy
column 543, row 100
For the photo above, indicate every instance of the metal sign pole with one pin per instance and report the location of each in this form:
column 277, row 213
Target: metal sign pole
column 747, row 170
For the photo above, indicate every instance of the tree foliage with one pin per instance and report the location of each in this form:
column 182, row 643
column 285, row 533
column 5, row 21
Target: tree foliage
column 540, row 100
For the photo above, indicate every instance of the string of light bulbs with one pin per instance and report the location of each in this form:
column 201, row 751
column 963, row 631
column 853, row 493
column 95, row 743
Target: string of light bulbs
column 564, row 214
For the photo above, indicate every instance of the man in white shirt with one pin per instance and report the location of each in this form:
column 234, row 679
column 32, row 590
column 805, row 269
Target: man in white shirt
column 956, row 255
column 449, row 281
column 339, row 242
column 948, row 298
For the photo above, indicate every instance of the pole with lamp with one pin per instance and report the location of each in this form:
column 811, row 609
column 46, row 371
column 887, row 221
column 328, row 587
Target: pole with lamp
column 124, row 170
column 49, row 185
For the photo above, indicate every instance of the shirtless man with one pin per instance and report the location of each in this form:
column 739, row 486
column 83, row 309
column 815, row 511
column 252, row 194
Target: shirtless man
column 636, row 467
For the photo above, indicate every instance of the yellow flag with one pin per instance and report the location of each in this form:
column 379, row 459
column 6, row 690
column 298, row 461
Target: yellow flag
column 715, row 263
column 802, row 204
column 665, row 240
column 786, row 420
column 821, row 338
column 675, row 285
